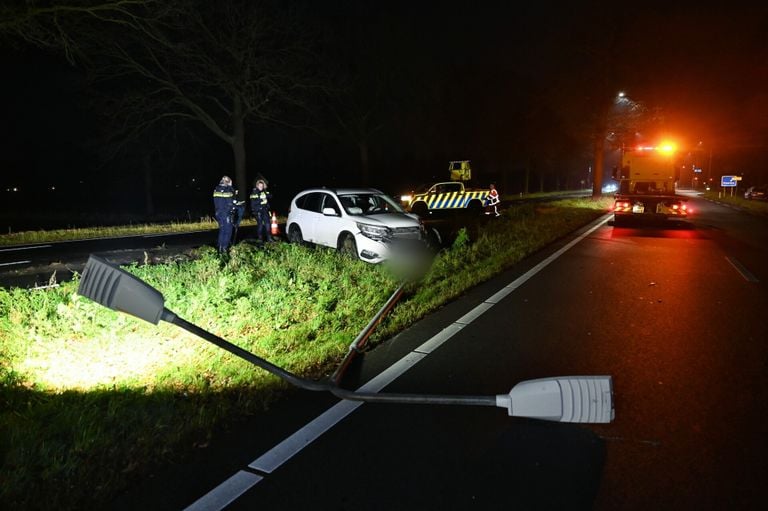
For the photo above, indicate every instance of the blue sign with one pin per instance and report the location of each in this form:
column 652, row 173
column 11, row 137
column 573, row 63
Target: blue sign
column 728, row 181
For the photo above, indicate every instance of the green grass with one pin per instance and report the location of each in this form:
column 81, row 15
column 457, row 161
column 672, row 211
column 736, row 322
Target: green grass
column 91, row 400
column 751, row 206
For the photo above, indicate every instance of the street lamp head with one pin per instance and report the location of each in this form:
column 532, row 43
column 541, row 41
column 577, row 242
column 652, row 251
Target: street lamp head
column 111, row 286
column 581, row 399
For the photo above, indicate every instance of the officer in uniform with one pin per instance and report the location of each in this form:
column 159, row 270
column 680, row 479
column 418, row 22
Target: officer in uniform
column 224, row 204
column 260, row 197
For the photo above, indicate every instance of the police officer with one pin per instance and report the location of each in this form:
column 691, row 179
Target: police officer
column 224, row 204
column 260, row 198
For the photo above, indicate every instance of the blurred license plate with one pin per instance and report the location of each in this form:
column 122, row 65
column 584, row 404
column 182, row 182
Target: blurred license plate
column 637, row 209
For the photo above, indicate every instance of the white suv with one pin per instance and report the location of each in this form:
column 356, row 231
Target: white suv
column 360, row 222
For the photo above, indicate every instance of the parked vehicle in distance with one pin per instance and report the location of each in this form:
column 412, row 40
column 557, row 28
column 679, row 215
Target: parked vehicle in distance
column 756, row 192
column 360, row 222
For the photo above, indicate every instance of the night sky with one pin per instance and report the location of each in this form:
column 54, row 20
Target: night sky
column 511, row 87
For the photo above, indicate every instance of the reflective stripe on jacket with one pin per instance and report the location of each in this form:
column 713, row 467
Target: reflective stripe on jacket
column 223, row 199
column 260, row 199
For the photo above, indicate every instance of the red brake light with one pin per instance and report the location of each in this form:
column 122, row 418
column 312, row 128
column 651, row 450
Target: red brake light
column 622, row 205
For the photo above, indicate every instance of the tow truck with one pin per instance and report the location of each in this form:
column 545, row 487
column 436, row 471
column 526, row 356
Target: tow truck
column 447, row 195
column 648, row 179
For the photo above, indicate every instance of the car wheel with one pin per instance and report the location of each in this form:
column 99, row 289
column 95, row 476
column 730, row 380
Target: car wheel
column 348, row 247
column 433, row 239
column 295, row 236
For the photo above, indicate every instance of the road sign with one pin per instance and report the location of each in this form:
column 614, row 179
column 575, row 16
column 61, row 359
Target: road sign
column 728, row 181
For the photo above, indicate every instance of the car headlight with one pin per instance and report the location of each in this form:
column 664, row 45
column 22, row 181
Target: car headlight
column 375, row 232
column 406, row 199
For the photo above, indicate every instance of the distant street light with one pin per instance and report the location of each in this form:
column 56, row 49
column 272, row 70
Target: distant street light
column 578, row 399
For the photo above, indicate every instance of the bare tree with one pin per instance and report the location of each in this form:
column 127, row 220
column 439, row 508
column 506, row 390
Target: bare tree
column 222, row 64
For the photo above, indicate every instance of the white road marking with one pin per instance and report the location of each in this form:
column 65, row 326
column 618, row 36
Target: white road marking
column 743, row 271
column 14, row 249
column 218, row 498
column 15, row 262
column 226, row 493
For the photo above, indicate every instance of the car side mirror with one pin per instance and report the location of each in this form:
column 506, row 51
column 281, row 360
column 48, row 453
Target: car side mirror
column 330, row 212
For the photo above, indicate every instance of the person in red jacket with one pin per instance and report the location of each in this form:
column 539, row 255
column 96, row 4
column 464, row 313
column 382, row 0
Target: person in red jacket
column 492, row 201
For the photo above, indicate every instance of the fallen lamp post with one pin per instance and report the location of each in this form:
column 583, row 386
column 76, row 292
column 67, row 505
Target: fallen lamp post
column 576, row 399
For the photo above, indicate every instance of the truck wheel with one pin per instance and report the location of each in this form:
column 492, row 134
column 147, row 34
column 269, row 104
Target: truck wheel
column 420, row 209
column 475, row 206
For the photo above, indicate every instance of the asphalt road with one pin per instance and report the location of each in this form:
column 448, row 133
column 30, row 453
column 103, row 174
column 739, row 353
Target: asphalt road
column 675, row 314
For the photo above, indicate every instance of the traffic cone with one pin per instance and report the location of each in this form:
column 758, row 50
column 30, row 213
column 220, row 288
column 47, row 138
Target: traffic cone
column 275, row 230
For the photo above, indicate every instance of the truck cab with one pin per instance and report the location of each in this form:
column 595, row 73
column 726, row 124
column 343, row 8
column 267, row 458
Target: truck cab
column 460, row 170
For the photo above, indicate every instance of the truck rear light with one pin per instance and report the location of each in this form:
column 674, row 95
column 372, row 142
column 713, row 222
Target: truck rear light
column 622, row 205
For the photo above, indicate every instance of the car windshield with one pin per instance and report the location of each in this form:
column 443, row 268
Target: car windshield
column 369, row 204
column 422, row 188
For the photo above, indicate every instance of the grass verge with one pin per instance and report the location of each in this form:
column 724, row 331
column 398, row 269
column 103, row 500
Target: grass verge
column 756, row 207
column 91, row 400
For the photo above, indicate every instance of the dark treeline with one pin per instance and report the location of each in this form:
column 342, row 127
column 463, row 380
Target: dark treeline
column 390, row 92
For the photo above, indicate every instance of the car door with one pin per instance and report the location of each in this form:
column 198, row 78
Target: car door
column 309, row 215
column 328, row 226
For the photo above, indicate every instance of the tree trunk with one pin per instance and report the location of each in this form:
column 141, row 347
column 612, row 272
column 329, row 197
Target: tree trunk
column 238, row 148
column 597, row 176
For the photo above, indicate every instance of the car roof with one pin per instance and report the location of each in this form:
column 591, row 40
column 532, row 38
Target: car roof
column 341, row 191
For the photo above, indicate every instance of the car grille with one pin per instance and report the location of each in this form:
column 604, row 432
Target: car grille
column 406, row 233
